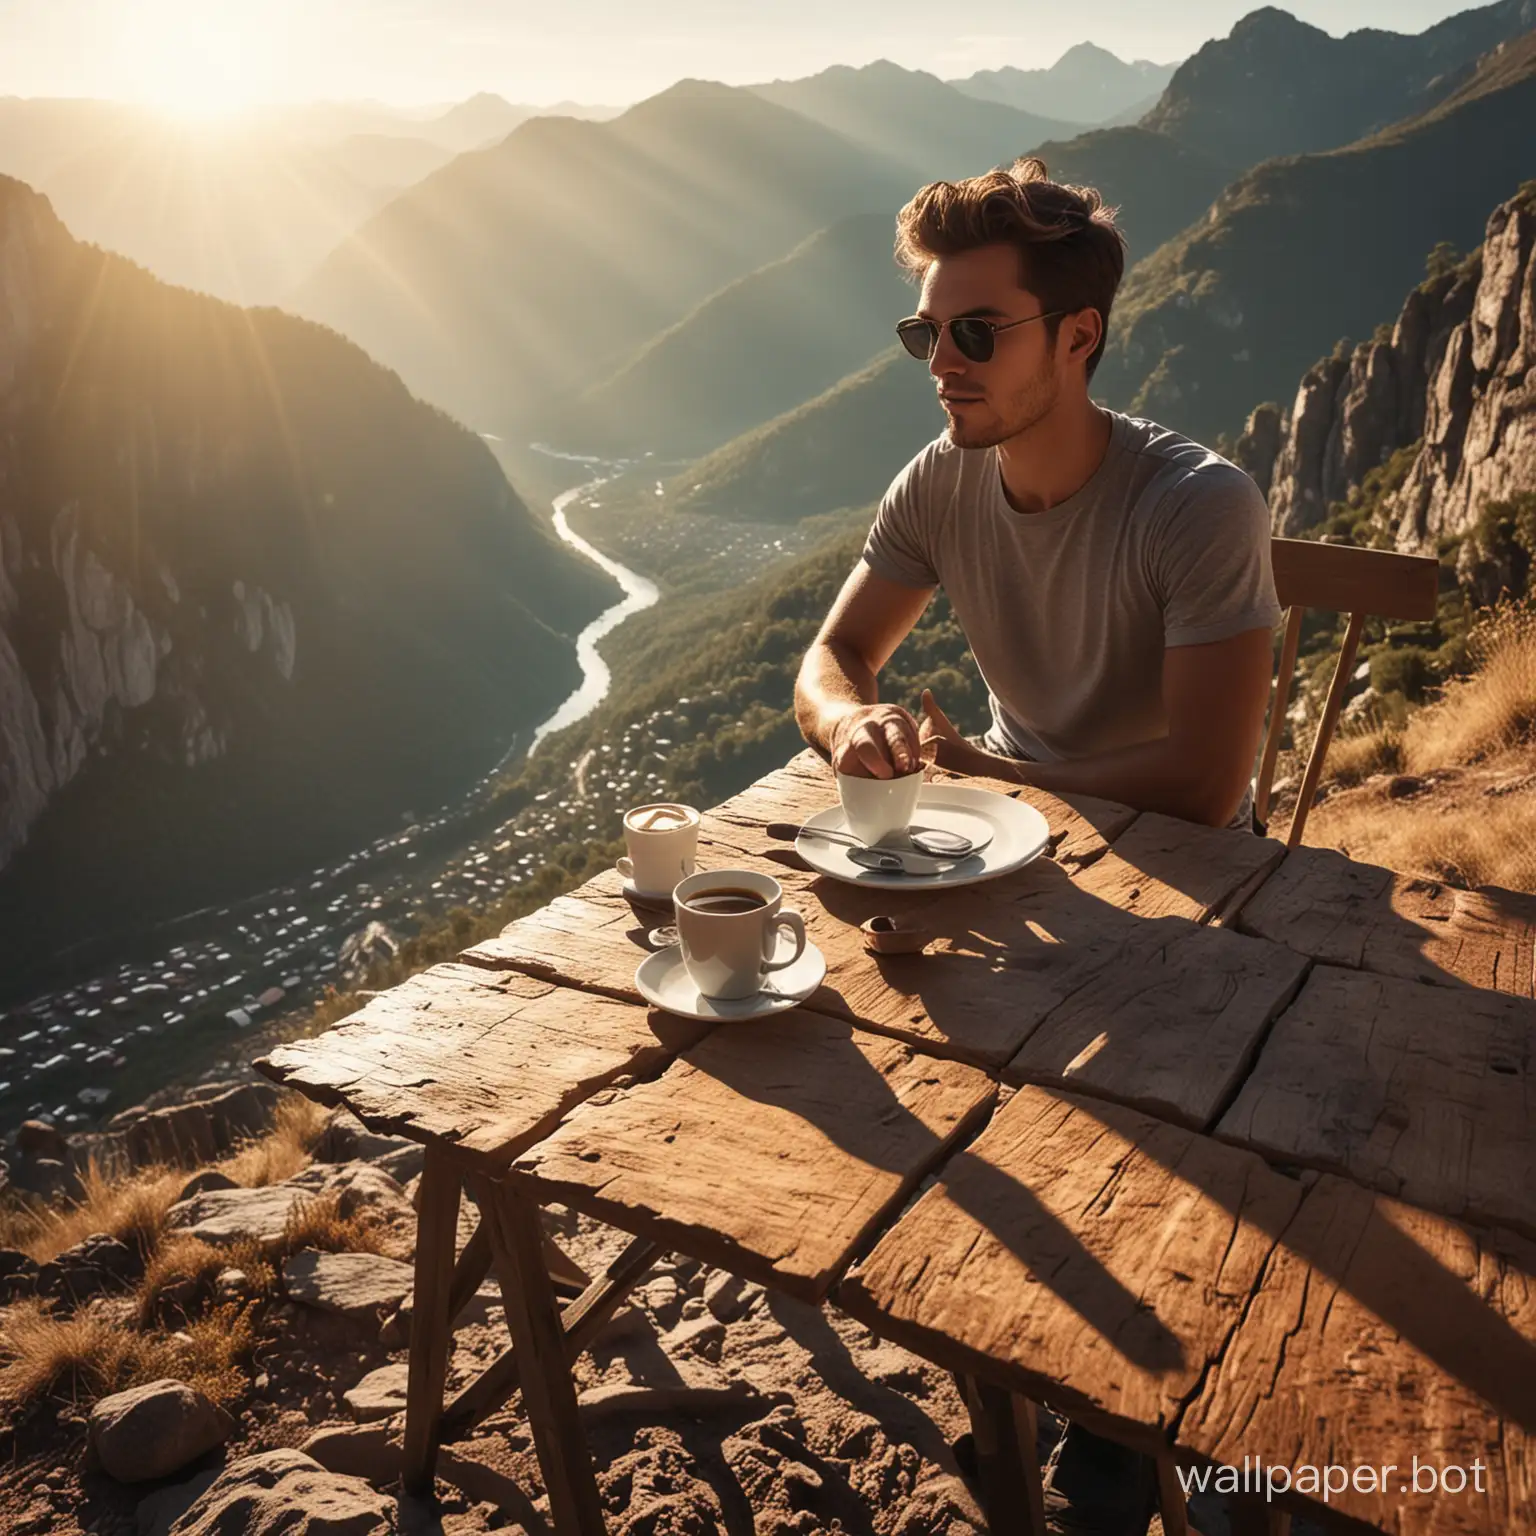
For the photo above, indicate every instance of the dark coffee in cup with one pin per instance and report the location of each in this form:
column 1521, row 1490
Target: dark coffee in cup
column 726, row 902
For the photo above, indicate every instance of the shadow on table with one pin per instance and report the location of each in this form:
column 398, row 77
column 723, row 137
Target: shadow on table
column 866, row 1119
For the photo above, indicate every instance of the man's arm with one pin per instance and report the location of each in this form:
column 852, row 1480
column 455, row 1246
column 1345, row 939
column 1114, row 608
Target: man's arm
column 836, row 696
column 1199, row 770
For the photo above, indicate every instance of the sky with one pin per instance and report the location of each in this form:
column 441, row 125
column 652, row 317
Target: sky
column 211, row 54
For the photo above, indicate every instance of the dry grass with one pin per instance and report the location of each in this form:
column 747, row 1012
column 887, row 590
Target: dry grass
column 1479, row 841
column 90, row 1354
column 1488, row 712
column 318, row 1223
column 179, row 1281
column 284, row 1150
column 1357, row 755
column 132, row 1207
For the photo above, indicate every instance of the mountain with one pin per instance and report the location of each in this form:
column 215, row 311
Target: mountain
column 255, row 600
column 755, row 349
column 1444, row 401
column 1087, row 84
column 1303, row 250
column 387, row 161
column 475, row 122
column 1277, row 86
column 242, row 210
column 540, row 265
column 840, row 449
column 914, row 117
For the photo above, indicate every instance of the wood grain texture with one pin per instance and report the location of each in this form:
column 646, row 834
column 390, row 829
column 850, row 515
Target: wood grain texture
column 1346, row 913
column 484, row 1061
column 1080, row 1253
column 1380, row 1332
column 1164, row 867
column 432, row 1314
column 771, row 1150
column 1171, row 1024
column 1427, row 1093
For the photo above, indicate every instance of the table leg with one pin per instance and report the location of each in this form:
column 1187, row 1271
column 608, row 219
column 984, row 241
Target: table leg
column 1253, row 1516
column 1171, row 1503
column 436, row 1227
column 1004, row 1426
column 544, row 1371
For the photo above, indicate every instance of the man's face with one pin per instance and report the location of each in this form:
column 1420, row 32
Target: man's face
column 987, row 403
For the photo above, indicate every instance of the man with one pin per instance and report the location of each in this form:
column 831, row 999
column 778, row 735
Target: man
column 1112, row 577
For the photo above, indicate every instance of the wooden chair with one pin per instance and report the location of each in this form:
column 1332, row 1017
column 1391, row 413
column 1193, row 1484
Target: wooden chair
column 1343, row 579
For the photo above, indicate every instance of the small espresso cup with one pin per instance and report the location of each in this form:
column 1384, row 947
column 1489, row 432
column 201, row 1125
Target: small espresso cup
column 876, row 809
column 728, row 922
column 663, row 842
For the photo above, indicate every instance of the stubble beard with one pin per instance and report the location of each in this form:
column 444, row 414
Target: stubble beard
column 1026, row 408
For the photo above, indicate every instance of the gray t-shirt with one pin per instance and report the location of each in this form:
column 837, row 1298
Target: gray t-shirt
column 1068, row 611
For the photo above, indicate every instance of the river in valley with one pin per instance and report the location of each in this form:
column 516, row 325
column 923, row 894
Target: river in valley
column 171, row 1001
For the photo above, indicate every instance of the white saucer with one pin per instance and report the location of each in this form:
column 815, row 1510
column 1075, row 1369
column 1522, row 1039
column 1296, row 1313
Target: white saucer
column 663, row 979
column 1017, row 833
column 641, row 898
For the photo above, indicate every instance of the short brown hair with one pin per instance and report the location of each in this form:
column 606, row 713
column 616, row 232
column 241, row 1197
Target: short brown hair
column 1071, row 253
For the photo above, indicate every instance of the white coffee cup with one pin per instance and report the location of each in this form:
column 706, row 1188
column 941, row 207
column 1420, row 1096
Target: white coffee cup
column 663, row 842
column 728, row 952
column 876, row 809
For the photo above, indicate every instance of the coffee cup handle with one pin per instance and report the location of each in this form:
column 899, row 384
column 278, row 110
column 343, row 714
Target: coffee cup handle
column 788, row 918
column 625, row 867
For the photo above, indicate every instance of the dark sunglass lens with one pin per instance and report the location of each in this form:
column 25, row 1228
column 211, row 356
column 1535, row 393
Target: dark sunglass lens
column 918, row 337
column 974, row 339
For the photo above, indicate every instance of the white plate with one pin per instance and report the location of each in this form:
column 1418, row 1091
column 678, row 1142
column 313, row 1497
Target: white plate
column 663, row 979
column 1018, row 833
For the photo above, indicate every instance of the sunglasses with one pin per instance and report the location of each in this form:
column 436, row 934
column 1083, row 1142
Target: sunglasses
column 975, row 338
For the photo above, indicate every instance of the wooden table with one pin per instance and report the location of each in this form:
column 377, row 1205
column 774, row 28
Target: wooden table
column 1225, row 1152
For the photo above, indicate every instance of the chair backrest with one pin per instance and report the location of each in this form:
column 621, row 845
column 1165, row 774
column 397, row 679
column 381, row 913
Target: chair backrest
column 1362, row 583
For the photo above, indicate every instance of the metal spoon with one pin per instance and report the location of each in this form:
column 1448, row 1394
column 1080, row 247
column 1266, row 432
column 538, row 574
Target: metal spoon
column 937, row 842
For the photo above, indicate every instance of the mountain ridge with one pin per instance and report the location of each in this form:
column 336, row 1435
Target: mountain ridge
column 218, row 589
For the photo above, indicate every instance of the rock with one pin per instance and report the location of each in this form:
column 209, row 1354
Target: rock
column 693, row 1307
column 41, row 1138
column 1402, row 785
column 155, row 1430
column 486, row 1485
column 379, row 1395
column 159, row 1512
column 483, row 1309
column 45, row 1177
column 1452, row 377
column 371, row 1452
column 200, row 1130
column 404, row 1165
column 702, row 1336
column 356, row 1285
column 209, row 1178
column 224, row 1216
column 285, row 1491
column 729, row 1296
column 98, row 1263
column 18, row 1274
column 614, row 1398
column 233, row 1285
column 361, row 1186
column 663, row 1297
column 1259, row 445
column 345, row 1139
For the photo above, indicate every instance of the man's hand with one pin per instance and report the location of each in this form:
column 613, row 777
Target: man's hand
column 949, row 749
column 875, row 741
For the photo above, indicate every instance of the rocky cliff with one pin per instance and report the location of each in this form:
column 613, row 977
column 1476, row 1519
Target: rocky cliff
column 254, row 598
column 1450, row 391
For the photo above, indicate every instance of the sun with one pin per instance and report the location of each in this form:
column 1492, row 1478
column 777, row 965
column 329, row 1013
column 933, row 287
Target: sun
column 198, row 58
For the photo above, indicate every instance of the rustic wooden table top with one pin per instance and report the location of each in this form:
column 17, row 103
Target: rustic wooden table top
column 1256, row 1172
